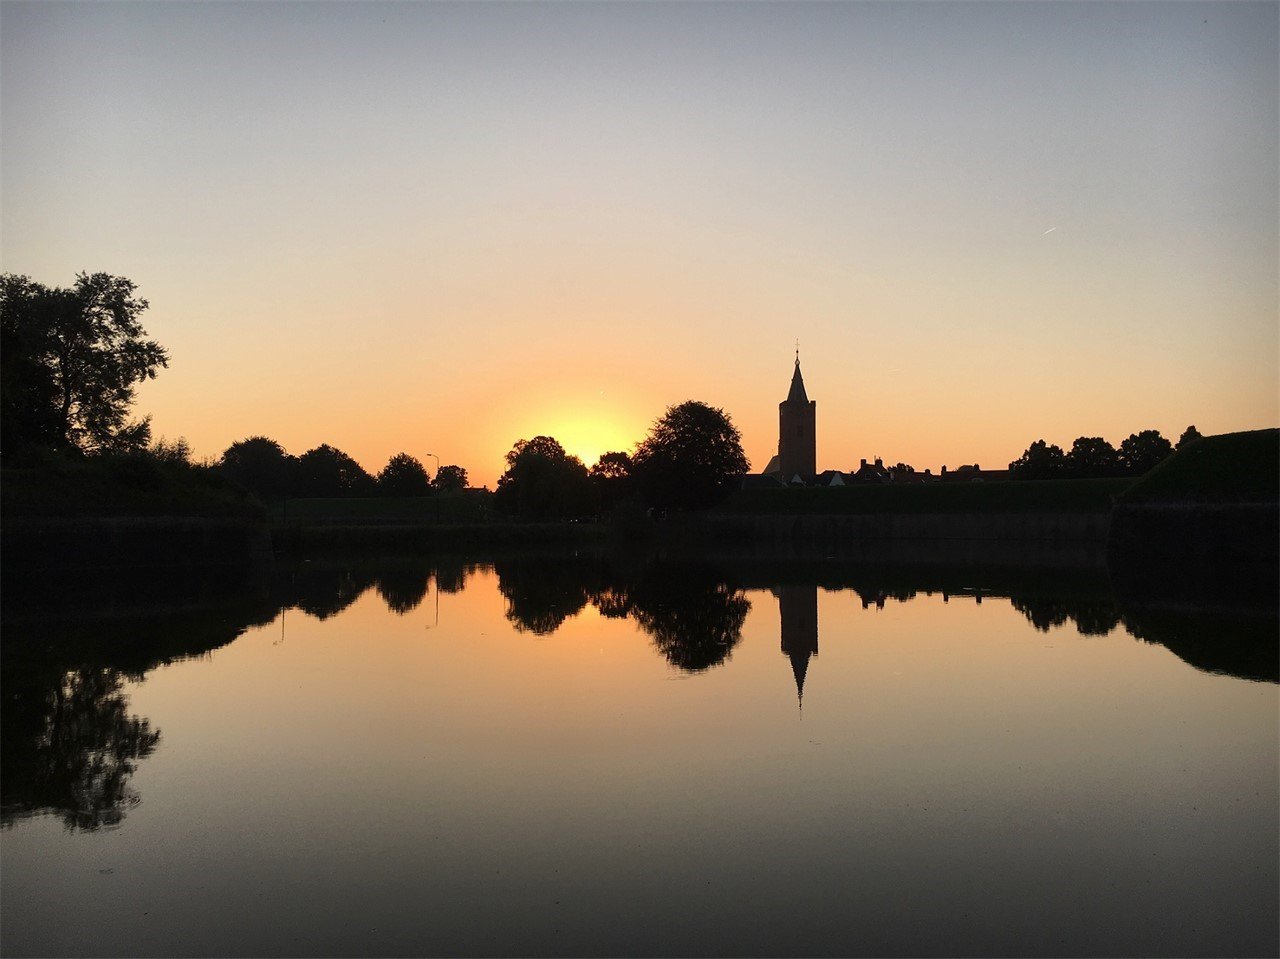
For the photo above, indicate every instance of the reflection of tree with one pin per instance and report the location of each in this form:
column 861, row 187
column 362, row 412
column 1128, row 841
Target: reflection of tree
column 403, row 590
column 327, row 592
column 694, row 619
column 1044, row 614
column 72, row 751
column 451, row 574
column 613, row 601
column 877, row 595
column 1092, row 617
column 1096, row 618
column 541, row 595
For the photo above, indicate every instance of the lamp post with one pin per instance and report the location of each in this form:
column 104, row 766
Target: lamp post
column 437, row 496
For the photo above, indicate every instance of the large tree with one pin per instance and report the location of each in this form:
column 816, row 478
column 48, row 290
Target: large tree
column 450, row 478
column 1143, row 451
column 71, row 360
column 542, row 481
column 1040, row 461
column 1189, row 435
column 404, row 475
column 327, row 471
column 1092, row 457
column 261, row 465
column 691, row 458
column 612, row 478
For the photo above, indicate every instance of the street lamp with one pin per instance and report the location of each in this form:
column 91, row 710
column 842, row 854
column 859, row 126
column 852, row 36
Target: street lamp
column 437, row 496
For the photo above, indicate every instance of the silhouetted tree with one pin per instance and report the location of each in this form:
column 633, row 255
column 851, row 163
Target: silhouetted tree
column 326, row 471
column 1040, row 461
column 542, row 481
column 74, row 753
column 71, row 359
column 1043, row 614
column 691, row 458
column 450, row 478
column 403, row 590
column 612, row 600
column 326, row 592
column 451, row 574
column 403, row 476
column 611, row 476
column 1143, row 451
column 172, row 452
column 540, row 595
column 1189, row 435
column 1095, row 617
column 261, row 465
column 695, row 620
column 28, row 397
column 1092, row 457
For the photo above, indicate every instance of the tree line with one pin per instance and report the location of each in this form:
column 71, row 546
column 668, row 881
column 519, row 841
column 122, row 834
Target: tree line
column 1092, row 457
column 263, row 466
column 691, row 458
column 70, row 362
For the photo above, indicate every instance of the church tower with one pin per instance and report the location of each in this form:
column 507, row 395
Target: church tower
column 797, row 430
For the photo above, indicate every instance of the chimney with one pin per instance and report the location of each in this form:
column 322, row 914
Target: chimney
column 944, row 469
column 864, row 465
column 879, row 464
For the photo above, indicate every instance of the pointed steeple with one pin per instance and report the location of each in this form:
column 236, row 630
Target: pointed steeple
column 797, row 393
column 797, row 433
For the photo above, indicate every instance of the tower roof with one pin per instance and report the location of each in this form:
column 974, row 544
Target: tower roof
column 797, row 393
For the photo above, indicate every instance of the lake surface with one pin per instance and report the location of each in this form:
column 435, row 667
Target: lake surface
column 612, row 755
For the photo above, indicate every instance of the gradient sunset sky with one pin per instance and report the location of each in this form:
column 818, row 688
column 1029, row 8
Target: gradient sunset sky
column 441, row 228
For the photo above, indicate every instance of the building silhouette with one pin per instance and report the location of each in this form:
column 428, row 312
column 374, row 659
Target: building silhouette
column 797, row 434
column 796, row 462
column 798, row 610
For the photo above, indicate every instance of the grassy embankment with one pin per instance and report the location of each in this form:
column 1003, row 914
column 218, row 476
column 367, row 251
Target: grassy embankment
column 1211, row 513
column 461, row 520
column 1045, row 496
column 103, row 513
column 66, row 488
column 464, row 507
column 1232, row 468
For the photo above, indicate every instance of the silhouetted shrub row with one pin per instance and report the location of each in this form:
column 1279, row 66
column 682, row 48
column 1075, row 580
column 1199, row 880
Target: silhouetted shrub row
column 261, row 465
column 1092, row 457
column 691, row 459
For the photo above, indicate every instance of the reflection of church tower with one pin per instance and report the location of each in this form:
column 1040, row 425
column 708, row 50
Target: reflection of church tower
column 797, row 430
column 799, row 608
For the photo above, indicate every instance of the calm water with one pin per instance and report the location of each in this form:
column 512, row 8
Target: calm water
column 585, row 755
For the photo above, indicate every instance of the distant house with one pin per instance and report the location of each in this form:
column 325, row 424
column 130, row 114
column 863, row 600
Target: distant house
column 873, row 472
column 973, row 474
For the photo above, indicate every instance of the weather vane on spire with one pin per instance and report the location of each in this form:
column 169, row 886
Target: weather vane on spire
column 797, row 352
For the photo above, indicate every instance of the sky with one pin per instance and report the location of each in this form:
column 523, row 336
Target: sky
column 439, row 228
